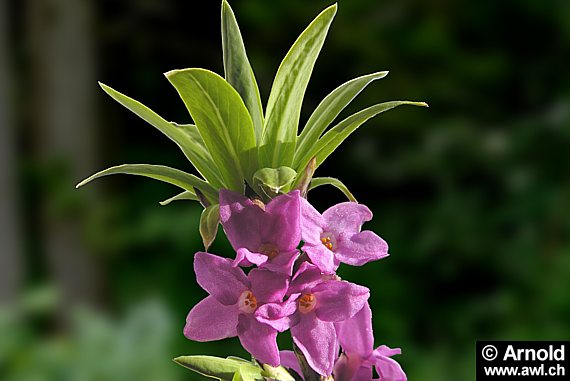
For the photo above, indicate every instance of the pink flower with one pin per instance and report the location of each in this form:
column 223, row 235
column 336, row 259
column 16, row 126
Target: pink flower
column 230, row 309
column 264, row 235
column 320, row 302
column 359, row 356
column 335, row 236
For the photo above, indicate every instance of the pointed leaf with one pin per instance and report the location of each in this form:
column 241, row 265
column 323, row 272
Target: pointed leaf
column 336, row 135
column 210, row 366
column 223, row 121
column 186, row 195
column 189, row 142
column 238, row 70
column 209, row 221
column 328, row 110
column 274, row 179
column 288, row 90
column 169, row 175
column 303, row 181
column 318, row 181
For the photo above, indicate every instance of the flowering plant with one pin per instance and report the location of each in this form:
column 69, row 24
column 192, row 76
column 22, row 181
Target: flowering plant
column 255, row 171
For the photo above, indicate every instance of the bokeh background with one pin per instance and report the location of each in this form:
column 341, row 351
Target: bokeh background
column 472, row 194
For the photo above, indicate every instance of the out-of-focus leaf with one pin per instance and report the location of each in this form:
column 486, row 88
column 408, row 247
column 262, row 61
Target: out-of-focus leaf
column 238, row 70
column 274, row 179
column 318, row 181
column 185, row 136
column 186, row 195
column 169, row 175
column 287, row 92
column 209, row 221
column 220, row 368
column 328, row 110
column 223, row 121
column 336, row 135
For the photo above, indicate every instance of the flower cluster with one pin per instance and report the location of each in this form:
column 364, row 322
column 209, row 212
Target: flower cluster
column 292, row 288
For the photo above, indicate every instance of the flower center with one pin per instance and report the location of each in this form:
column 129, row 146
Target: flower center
column 269, row 249
column 329, row 241
column 307, row 303
column 247, row 302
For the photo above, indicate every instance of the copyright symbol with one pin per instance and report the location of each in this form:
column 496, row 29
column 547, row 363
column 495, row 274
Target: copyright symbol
column 489, row 352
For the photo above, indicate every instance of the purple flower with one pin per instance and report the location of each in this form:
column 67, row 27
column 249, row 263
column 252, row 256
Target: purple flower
column 264, row 235
column 335, row 236
column 320, row 301
column 230, row 309
column 359, row 356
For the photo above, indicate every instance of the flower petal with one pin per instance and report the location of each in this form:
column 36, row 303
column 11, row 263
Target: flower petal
column 210, row 320
column 307, row 277
column 289, row 360
column 361, row 248
column 241, row 220
column 317, row 340
column 267, row 286
column 384, row 350
column 351, row 369
column 280, row 316
column 281, row 224
column 283, row 262
column 246, row 258
column 312, row 223
column 322, row 257
column 388, row 369
column 219, row 277
column 355, row 334
column 339, row 300
column 258, row 339
column 346, row 217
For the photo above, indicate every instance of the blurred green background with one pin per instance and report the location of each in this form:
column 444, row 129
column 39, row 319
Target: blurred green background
column 472, row 194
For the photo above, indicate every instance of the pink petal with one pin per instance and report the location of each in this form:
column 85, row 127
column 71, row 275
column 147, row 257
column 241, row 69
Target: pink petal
column 355, row 334
column 322, row 257
column 389, row 369
column 312, row 223
column 258, row 339
column 280, row 316
column 350, row 368
column 339, row 300
column 210, row 320
column 281, row 225
column 267, row 286
column 246, row 258
column 241, row 220
column 346, row 217
column 317, row 340
column 384, row 350
column 210, row 269
column 289, row 360
column 283, row 262
column 360, row 248
column 307, row 277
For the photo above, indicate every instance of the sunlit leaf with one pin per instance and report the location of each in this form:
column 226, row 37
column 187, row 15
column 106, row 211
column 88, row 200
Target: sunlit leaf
column 318, row 181
column 169, row 175
column 186, row 195
column 223, row 121
column 274, row 179
column 220, row 368
column 336, row 135
column 328, row 110
column 288, row 90
column 238, row 70
column 209, row 221
column 185, row 136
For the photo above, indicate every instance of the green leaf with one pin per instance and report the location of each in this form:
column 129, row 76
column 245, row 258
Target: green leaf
column 186, row 137
column 288, row 90
column 238, row 70
column 186, row 195
column 238, row 376
column 318, row 181
column 274, row 179
column 220, row 368
column 279, row 373
column 328, row 110
column 209, row 221
column 223, row 121
column 169, row 175
column 336, row 135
